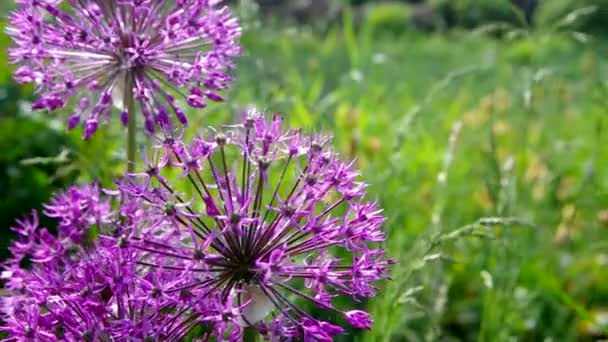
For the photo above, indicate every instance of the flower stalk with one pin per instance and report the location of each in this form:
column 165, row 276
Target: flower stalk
column 131, row 123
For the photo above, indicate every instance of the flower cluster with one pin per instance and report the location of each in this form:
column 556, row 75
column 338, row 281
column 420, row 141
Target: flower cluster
column 93, row 289
column 91, row 293
column 55, row 280
column 260, row 221
column 80, row 209
column 235, row 229
column 129, row 53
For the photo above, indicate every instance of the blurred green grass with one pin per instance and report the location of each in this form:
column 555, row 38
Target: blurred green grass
column 527, row 118
column 532, row 145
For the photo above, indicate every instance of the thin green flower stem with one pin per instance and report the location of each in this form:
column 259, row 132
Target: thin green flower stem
column 129, row 102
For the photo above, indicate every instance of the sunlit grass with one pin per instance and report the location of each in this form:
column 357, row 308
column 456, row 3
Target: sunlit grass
column 530, row 115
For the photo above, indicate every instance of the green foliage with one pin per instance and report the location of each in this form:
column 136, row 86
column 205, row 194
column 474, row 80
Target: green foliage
column 474, row 13
column 388, row 17
column 560, row 12
column 26, row 183
column 527, row 121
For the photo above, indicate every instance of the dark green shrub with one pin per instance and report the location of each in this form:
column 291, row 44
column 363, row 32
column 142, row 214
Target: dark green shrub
column 22, row 186
column 474, row 13
column 551, row 13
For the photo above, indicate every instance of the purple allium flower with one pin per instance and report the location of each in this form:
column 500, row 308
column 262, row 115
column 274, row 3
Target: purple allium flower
column 262, row 219
column 84, row 54
column 43, row 270
column 80, row 209
column 65, row 289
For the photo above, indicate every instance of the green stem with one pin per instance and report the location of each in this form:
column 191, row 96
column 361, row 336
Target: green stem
column 132, row 123
column 250, row 335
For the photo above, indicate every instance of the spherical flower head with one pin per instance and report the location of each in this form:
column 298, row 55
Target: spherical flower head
column 78, row 209
column 63, row 289
column 96, row 55
column 261, row 215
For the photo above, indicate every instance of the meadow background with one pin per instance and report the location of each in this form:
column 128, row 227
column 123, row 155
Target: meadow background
column 481, row 128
